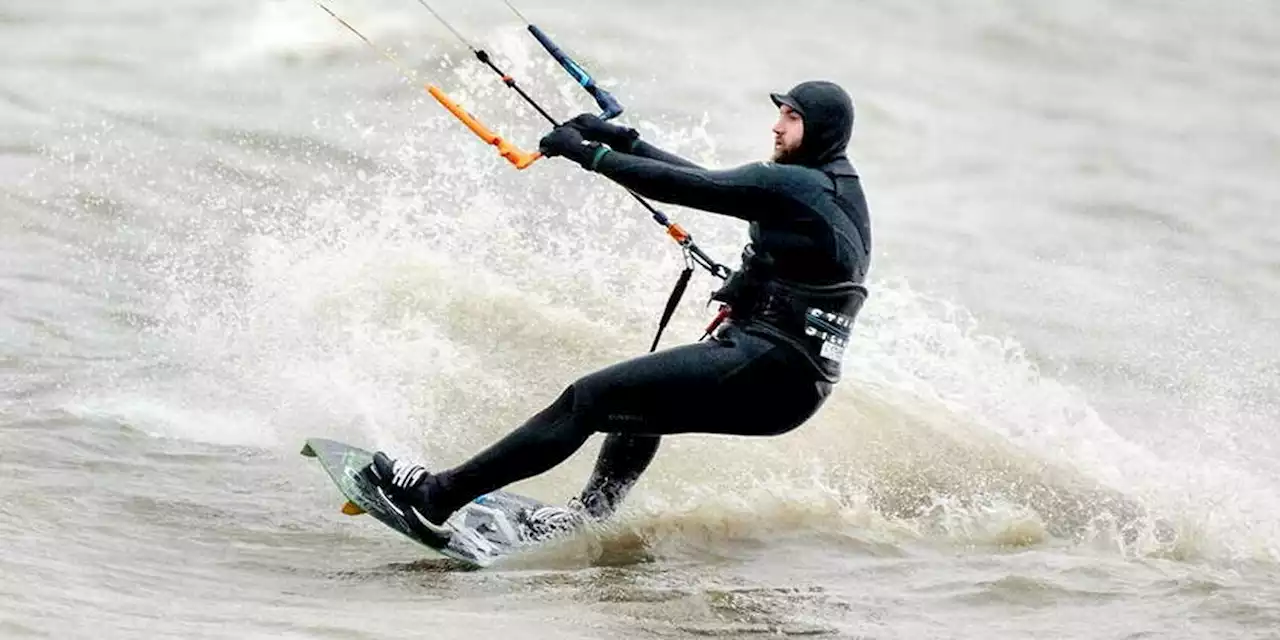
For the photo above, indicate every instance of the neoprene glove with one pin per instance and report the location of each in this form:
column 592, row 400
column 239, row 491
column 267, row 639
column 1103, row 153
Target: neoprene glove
column 567, row 141
column 593, row 128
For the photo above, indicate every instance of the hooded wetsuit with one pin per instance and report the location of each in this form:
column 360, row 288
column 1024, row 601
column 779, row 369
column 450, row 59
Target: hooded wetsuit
column 764, row 371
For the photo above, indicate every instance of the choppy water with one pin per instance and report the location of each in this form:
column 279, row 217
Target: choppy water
column 225, row 227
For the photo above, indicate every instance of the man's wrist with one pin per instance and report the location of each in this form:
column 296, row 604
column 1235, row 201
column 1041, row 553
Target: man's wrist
column 599, row 153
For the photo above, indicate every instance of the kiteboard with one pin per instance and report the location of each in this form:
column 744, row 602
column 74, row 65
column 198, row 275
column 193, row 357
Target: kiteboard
column 486, row 529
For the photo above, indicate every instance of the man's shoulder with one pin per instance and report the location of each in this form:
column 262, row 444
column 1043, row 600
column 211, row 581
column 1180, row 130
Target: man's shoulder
column 792, row 172
column 793, row 181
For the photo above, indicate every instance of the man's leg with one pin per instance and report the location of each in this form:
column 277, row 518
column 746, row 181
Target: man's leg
column 768, row 392
column 623, row 457
column 747, row 386
column 631, row 397
column 535, row 447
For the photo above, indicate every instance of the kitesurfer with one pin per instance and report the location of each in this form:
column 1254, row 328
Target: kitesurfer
column 764, row 371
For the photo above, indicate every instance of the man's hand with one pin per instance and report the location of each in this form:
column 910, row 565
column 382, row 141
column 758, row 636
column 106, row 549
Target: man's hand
column 568, row 142
column 593, row 128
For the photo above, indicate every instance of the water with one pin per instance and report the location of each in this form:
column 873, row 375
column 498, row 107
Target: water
column 228, row 227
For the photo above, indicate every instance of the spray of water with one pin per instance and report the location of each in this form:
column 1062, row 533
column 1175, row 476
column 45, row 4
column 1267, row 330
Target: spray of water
column 417, row 296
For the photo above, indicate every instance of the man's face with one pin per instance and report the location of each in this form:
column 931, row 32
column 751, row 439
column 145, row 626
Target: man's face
column 787, row 133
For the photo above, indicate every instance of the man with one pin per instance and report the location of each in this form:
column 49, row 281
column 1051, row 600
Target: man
column 765, row 370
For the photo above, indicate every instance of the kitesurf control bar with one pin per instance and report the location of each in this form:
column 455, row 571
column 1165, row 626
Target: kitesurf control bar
column 520, row 159
column 610, row 107
column 674, row 230
column 507, row 150
column 692, row 253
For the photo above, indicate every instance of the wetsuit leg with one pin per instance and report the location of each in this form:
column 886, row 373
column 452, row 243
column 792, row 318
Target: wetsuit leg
column 623, row 457
column 736, row 384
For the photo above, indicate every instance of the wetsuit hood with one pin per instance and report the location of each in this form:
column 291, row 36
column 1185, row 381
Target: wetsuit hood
column 827, row 111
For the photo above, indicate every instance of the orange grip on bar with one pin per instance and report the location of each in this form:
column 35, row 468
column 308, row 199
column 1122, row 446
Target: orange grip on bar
column 505, row 149
column 677, row 233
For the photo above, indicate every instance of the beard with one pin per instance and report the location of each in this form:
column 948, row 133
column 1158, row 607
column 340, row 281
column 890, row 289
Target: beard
column 784, row 155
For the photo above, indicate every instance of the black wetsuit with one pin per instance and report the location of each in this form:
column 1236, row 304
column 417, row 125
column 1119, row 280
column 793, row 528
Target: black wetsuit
column 760, row 374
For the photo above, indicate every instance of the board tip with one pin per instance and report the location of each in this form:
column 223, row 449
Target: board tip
column 307, row 450
column 352, row 509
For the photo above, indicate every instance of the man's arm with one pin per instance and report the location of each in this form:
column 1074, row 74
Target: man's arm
column 646, row 150
column 624, row 139
column 752, row 192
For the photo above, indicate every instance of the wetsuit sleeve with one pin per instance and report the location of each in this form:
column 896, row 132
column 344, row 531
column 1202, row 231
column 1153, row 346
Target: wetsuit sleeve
column 752, row 192
column 646, row 150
